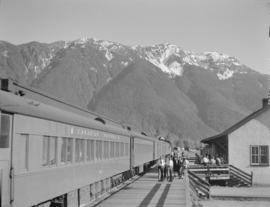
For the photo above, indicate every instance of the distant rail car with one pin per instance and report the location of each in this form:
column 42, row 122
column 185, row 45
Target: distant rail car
column 53, row 157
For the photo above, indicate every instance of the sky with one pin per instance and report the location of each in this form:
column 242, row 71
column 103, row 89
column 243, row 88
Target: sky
column 235, row 27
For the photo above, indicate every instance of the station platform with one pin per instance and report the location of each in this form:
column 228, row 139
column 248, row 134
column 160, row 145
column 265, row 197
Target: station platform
column 147, row 191
column 260, row 193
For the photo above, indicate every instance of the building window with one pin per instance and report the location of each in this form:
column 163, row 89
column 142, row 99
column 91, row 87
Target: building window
column 259, row 155
column 66, row 150
column 5, row 123
column 49, row 151
column 79, row 150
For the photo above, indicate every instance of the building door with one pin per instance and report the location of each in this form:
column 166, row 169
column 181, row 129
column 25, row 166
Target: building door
column 5, row 152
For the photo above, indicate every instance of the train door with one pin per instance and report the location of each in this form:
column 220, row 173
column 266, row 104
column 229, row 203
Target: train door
column 131, row 152
column 5, row 152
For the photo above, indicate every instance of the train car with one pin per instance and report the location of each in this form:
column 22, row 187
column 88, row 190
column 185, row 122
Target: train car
column 51, row 152
column 48, row 155
column 143, row 147
column 162, row 147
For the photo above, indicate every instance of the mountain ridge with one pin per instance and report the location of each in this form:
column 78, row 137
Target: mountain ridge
column 211, row 89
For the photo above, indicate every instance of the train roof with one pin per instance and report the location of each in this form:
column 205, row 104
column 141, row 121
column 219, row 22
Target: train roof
column 25, row 106
column 41, row 96
column 142, row 135
column 33, row 102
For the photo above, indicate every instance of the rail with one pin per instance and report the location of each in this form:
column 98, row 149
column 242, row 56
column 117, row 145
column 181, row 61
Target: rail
column 199, row 186
column 240, row 174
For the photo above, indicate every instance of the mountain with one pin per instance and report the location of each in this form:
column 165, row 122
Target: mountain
column 160, row 89
column 143, row 96
column 25, row 62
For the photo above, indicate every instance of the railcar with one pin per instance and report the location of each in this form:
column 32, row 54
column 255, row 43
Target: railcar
column 53, row 157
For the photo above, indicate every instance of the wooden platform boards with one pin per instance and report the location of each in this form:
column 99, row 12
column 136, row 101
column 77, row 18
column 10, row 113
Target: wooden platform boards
column 147, row 191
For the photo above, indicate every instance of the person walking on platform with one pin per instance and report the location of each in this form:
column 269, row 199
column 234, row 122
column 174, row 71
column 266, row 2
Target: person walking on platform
column 197, row 159
column 161, row 168
column 181, row 166
column 166, row 166
column 175, row 165
column 186, row 163
column 169, row 168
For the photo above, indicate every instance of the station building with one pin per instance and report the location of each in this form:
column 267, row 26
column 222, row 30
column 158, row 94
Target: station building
column 245, row 145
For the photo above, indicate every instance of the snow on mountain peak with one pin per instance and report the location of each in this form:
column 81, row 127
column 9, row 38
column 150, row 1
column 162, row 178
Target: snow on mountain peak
column 216, row 56
column 176, row 69
column 108, row 55
column 225, row 75
column 159, row 56
column 170, row 58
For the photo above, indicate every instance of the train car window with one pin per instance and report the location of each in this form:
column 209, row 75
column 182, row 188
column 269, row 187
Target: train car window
column 99, row 150
column 106, row 150
column 45, row 156
column 126, row 149
column 66, row 150
column 90, row 153
column 79, row 150
column 63, row 144
column 92, row 149
column 122, row 149
column 69, row 150
column 52, row 154
column 117, row 149
column 49, row 151
column 5, row 125
column 112, row 149
column 23, row 143
column 88, row 150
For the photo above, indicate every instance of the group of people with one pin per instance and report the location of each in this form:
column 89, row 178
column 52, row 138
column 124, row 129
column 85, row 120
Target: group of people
column 171, row 165
column 209, row 160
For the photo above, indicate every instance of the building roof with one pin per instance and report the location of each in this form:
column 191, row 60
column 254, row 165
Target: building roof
column 238, row 124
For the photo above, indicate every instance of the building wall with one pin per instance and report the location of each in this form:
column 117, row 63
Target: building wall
column 255, row 132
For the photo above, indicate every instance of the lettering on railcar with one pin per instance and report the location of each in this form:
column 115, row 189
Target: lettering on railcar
column 78, row 131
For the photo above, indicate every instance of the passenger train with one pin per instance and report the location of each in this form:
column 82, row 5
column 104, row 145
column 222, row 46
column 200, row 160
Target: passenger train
column 53, row 157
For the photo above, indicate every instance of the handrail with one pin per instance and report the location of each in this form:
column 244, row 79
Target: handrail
column 208, row 166
column 248, row 181
column 241, row 174
column 239, row 170
column 235, row 172
column 196, row 176
column 198, row 184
